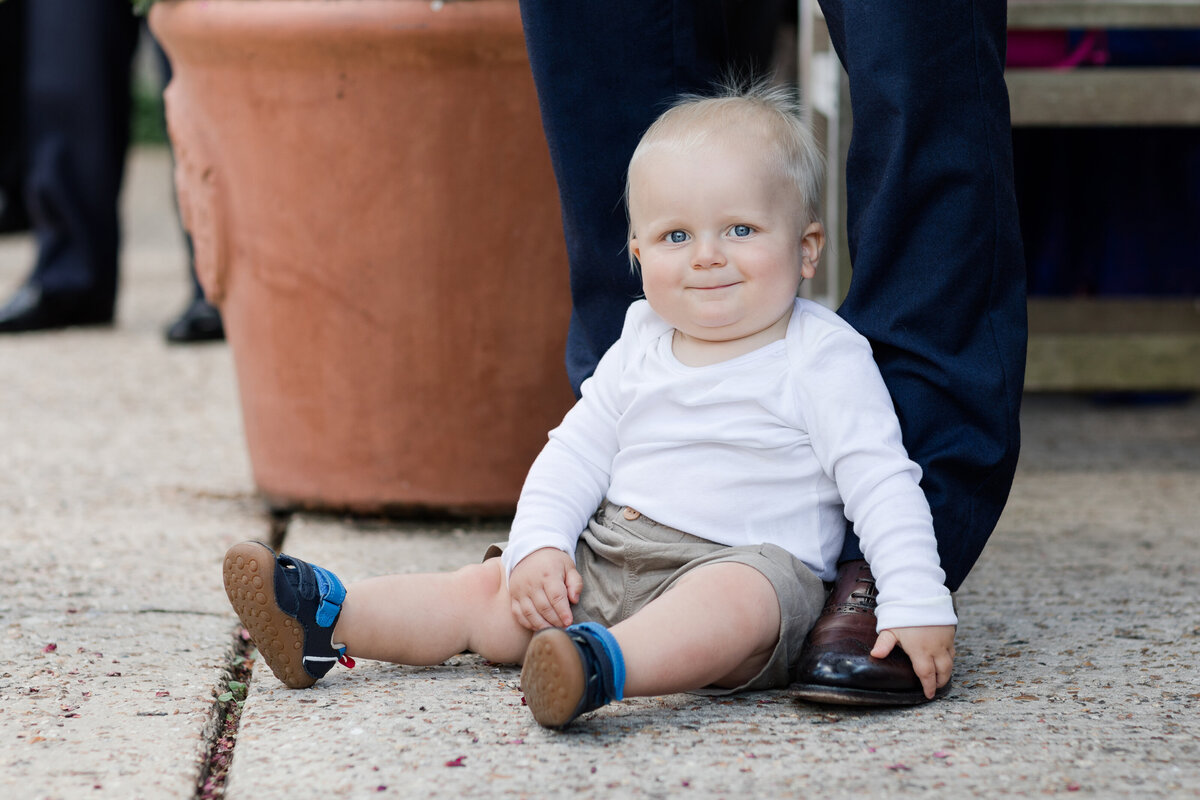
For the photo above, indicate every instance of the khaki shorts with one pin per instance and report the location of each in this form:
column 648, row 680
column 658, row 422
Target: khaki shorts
column 627, row 559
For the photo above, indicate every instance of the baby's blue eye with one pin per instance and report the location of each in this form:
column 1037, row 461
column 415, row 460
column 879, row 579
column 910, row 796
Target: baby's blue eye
column 677, row 237
column 741, row 230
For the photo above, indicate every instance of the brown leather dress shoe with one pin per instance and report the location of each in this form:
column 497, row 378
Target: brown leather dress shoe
column 836, row 664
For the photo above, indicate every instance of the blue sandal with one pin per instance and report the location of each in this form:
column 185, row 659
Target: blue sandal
column 290, row 608
column 570, row 672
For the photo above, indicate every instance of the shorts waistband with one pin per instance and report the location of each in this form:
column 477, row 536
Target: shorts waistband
column 610, row 510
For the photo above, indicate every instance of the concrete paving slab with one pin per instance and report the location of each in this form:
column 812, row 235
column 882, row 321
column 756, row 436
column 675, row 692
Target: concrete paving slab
column 125, row 478
column 1076, row 670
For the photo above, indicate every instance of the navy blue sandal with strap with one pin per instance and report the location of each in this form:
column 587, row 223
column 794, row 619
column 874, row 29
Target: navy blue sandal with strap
column 290, row 608
column 570, row 672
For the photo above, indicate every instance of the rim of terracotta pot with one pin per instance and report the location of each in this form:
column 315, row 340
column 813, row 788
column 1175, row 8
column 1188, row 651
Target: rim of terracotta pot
column 207, row 29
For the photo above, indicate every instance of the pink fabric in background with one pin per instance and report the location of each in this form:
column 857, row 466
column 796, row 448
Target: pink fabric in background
column 1052, row 49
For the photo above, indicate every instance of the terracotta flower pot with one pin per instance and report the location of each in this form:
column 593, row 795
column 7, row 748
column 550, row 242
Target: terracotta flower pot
column 374, row 211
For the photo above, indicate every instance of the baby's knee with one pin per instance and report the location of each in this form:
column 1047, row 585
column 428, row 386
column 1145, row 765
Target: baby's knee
column 481, row 580
column 746, row 595
column 737, row 582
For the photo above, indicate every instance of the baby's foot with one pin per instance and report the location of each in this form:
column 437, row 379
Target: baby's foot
column 571, row 672
column 290, row 608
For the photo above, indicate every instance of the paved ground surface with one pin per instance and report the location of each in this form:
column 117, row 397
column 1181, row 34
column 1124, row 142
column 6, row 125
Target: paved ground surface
column 124, row 478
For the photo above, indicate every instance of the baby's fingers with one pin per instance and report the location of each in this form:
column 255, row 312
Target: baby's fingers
column 550, row 603
column 518, row 612
column 574, row 585
column 527, row 614
column 558, row 609
column 944, row 665
column 926, row 670
column 883, row 644
column 933, row 670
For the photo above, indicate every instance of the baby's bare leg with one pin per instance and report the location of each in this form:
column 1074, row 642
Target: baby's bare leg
column 718, row 625
column 425, row 619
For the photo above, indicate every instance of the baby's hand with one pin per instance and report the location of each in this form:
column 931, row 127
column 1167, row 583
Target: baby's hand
column 543, row 585
column 930, row 648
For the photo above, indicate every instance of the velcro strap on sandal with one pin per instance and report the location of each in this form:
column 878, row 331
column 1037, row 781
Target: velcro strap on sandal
column 601, row 648
column 332, row 594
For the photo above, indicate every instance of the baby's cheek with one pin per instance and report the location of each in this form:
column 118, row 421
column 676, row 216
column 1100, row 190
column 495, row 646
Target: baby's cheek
column 655, row 293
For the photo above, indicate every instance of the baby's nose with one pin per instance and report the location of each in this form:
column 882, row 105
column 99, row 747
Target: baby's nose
column 708, row 254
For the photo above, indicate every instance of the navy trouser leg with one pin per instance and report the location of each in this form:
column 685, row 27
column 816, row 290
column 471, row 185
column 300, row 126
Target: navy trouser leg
column 605, row 69
column 79, row 56
column 939, row 277
column 12, row 126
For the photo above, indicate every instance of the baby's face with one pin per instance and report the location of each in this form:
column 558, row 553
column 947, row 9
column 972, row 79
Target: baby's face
column 718, row 233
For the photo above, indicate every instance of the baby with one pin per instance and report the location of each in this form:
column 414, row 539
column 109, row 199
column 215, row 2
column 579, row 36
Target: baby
column 675, row 532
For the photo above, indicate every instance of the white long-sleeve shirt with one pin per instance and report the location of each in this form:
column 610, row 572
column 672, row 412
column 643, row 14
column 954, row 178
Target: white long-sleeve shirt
column 780, row 445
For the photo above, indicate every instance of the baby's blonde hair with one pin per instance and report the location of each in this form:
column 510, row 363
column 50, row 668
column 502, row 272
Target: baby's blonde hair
column 771, row 110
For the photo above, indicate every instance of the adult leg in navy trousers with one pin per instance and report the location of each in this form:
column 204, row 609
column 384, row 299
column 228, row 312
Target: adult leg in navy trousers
column 12, row 114
column 79, row 55
column 77, row 100
column 938, row 282
column 938, row 288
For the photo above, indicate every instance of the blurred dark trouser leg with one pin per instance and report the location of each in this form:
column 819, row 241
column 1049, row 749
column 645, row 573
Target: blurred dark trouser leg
column 939, row 290
column 12, row 144
column 605, row 69
column 79, row 56
column 200, row 320
column 939, row 276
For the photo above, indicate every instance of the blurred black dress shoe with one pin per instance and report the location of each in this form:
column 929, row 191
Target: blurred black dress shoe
column 32, row 308
column 13, row 217
column 200, row 322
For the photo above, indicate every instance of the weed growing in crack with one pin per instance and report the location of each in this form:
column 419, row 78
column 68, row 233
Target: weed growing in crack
column 229, row 714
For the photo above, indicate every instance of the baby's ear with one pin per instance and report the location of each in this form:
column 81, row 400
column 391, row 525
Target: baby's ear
column 635, row 256
column 811, row 245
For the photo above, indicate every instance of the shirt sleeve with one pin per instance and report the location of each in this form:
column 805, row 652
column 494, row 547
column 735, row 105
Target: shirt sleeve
column 856, row 437
column 571, row 475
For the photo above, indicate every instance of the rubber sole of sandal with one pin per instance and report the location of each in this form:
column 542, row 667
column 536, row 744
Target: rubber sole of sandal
column 842, row 696
column 552, row 678
column 250, row 585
